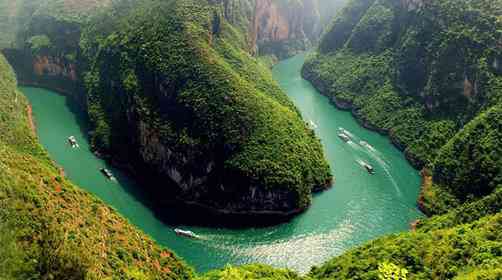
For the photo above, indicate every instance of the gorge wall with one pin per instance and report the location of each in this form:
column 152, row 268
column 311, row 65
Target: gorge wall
column 422, row 72
column 209, row 148
column 281, row 29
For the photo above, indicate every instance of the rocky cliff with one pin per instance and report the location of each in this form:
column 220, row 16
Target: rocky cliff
column 200, row 114
column 46, row 48
column 281, row 28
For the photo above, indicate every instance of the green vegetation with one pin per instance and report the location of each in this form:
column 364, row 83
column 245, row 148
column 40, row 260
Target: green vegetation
column 437, row 254
column 427, row 74
column 39, row 43
column 49, row 229
column 422, row 73
column 182, row 70
column 250, row 272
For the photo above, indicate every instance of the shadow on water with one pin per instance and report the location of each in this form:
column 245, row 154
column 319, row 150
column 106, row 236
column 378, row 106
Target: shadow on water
column 358, row 208
column 171, row 212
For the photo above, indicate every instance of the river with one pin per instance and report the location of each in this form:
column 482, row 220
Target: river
column 359, row 207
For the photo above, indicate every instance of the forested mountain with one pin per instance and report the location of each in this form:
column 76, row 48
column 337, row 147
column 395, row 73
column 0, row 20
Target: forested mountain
column 172, row 87
column 426, row 73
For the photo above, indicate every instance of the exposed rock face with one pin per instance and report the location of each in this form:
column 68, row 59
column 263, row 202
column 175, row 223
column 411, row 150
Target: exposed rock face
column 166, row 139
column 49, row 71
column 54, row 66
column 282, row 29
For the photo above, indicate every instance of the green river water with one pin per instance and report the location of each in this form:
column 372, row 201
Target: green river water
column 359, row 207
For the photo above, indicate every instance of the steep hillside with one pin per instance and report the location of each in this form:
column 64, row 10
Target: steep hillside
column 467, row 251
column 49, row 229
column 422, row 71
column 427, row 73
column 191, row 108
column 171, row 87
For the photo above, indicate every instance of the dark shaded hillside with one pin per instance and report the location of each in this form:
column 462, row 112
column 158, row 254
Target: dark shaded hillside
column 171, row 87
column 172, row 92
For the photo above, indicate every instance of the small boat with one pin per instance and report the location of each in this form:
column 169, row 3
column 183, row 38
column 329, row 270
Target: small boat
column 73, row 142
column 368, row 167
column 185, row 233
column 108, row 174
column 344, row 137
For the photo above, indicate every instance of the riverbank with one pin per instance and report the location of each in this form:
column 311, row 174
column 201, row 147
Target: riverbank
column 345, row 105
column 360, row 207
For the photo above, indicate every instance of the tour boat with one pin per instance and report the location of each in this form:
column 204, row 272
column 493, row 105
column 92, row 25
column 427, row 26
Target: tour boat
column 186, row 233
column 73, row 142
column 344, row 137
column 369, row 168
column 108, row 174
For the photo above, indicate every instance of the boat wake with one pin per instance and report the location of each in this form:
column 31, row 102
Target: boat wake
column 346, row 132
column 354, row 145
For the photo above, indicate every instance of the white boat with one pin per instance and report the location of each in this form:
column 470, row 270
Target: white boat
column 73, row 142
column 344, row 137
column 368, row 167
column 186, row 233
column 108, row 174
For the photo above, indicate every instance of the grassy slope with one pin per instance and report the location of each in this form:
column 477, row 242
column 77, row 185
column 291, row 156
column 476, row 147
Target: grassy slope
column 54, row 230
column 229, row 100
column 438, row 254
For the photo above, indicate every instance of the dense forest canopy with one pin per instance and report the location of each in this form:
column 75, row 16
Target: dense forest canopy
column 184, row 82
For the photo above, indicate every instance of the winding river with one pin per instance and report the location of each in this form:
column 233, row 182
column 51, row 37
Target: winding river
column 359, row 207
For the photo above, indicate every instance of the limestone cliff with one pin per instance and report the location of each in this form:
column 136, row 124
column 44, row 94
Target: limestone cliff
column 49, row 56
column 281, row 28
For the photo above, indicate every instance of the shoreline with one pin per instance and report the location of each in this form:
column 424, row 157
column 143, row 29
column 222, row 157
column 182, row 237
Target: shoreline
column 217, row 216
column 348, row 106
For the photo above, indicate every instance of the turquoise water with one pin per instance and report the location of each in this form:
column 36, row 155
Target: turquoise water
column 359, row 207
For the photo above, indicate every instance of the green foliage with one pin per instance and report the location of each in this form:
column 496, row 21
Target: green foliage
column 343, row 24
column 466, row 213
column 250, row 272
column 438, row 254
column 39, row 43
column 373, row 33
column 202, row 94
column 470, row 164
column 49, row 229
column 390, row 271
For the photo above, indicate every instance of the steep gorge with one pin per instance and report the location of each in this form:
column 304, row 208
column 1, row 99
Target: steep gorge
column 462, row 147
column 191, row 126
